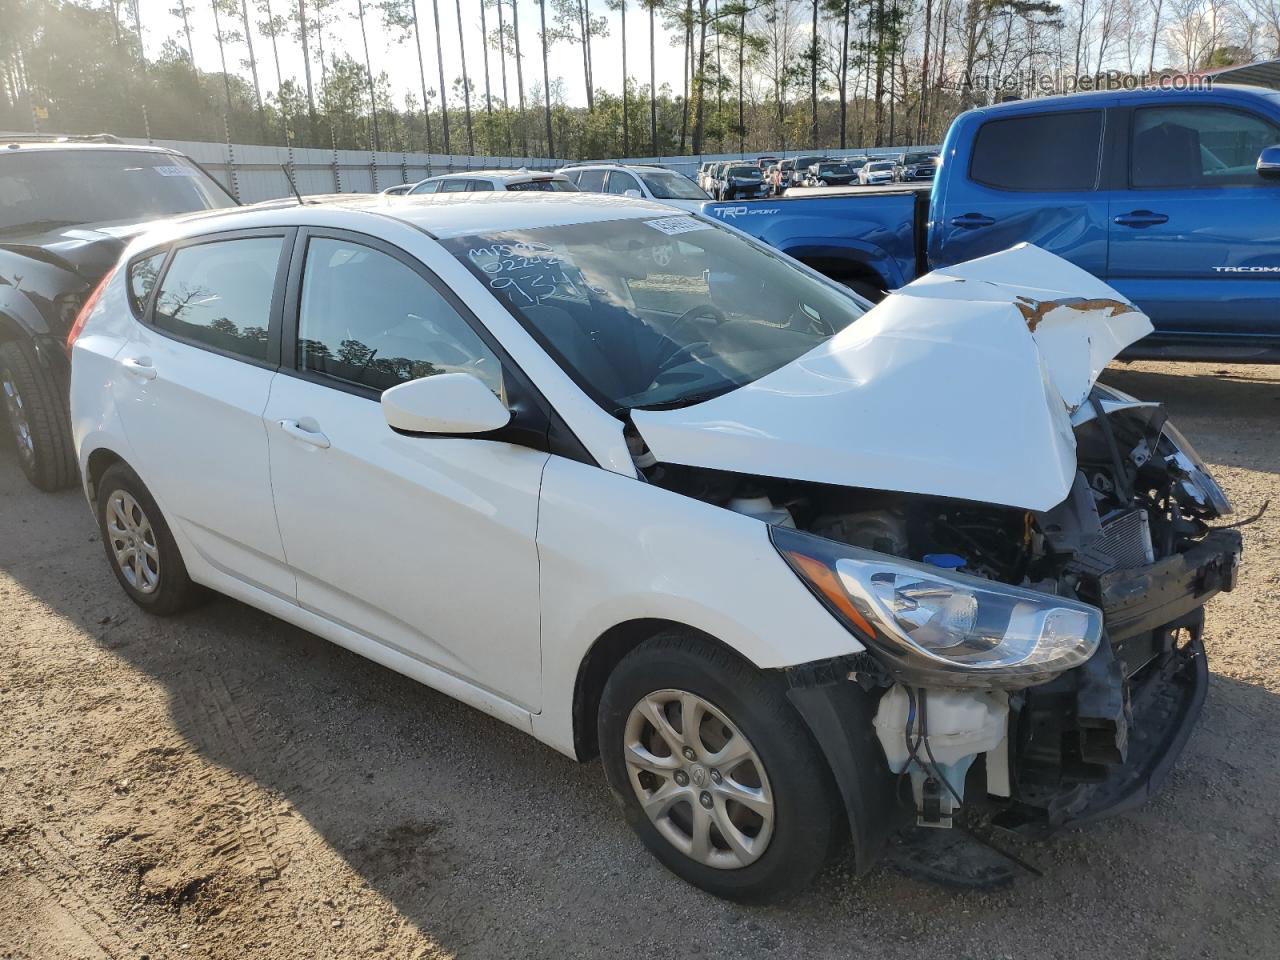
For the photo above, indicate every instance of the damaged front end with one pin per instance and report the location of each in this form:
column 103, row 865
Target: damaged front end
column 1024, row 558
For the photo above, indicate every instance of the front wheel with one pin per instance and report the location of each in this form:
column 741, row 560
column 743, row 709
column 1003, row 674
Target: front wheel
column 715, row 771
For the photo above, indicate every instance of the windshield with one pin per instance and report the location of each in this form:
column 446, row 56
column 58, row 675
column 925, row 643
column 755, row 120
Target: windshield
column 546, row 183
column 665, row 185
column 659, row 312
column 880, row 165
column 55, row 188
column 745, row 173
column 836, row 168
column 917, row 158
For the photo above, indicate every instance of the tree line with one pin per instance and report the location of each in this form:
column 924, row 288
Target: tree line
column 756, row 75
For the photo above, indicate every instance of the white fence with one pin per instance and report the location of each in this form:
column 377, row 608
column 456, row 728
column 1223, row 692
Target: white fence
column 252, row 172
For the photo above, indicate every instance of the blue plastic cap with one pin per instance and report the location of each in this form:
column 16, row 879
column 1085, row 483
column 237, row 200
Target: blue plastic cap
column 948, row 561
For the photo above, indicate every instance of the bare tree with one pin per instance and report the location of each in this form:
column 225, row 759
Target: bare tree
column 466, row 80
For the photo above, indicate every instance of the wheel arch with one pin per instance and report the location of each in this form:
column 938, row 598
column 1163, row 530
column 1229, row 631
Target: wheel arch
column 836, row 711
column 99, row 461
column 600, row 660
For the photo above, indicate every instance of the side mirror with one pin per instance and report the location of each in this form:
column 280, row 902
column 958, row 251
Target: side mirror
column 1269, row 162
column 448, row 403
column 633, row 193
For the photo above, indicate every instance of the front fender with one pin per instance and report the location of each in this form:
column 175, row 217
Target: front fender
column 614, row 549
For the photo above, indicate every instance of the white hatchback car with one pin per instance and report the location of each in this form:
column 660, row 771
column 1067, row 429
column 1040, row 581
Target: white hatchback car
column 485, row 181
column 770, row 553
column 638, row 180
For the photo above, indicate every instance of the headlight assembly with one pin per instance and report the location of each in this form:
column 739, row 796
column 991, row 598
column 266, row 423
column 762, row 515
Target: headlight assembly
column 933, row 626
column 1199, row 492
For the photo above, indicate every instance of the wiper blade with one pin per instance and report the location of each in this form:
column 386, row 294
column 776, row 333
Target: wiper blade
column 688, row 400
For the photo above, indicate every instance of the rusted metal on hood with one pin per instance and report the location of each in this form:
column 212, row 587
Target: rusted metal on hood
column 1034, row 311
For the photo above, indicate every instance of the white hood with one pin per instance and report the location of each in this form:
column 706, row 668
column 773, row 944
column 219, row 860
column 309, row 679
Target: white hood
column 960, row 384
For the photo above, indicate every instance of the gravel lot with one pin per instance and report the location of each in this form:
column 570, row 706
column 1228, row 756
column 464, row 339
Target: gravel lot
column 224, row 785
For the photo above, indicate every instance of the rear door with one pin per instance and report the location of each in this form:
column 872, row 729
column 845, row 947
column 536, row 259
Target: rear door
column 1028, row 177
column 1194, row 236
column 193, row 382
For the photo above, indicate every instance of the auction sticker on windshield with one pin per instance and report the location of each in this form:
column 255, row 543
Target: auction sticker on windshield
column 672, row 226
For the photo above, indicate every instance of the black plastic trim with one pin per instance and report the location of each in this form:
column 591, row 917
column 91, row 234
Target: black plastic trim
column 841, row 715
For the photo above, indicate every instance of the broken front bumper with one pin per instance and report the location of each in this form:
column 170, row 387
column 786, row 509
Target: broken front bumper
column 1101, row 739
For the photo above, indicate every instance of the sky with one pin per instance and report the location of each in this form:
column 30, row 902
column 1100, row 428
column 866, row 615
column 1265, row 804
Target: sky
column 400, row 60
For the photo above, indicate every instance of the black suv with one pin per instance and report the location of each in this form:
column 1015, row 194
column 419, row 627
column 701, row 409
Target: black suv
column 68, row 207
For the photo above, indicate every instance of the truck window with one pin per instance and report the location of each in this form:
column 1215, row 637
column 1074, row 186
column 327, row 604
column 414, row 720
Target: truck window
column 1053, row 152
column 1197, row 146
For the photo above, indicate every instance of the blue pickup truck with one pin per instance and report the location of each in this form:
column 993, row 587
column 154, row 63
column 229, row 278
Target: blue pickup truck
column 1171, row 197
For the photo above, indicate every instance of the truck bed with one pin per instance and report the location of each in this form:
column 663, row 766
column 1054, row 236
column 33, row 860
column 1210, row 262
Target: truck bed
column 873, row 235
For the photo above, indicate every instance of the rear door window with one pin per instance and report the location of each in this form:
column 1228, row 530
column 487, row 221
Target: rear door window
column 219, row 295
column 1051, row 152
column 592, row 181
column 143, row 274
column 480, row 185
column 454, row 186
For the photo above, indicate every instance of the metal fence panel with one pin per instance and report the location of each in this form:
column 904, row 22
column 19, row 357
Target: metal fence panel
column 253, row 172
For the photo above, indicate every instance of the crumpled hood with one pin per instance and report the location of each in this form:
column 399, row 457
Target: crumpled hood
column 960, row 384
column 88, row 251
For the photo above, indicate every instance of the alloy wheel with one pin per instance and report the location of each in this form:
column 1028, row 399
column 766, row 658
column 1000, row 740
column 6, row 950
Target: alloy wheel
column 133, row 542
column 698, row 779
column 18, row 418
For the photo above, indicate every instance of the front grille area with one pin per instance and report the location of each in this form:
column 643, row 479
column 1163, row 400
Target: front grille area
column 1124, row 543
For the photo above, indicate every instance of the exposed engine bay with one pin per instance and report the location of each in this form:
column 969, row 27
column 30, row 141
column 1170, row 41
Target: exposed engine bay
column 1133, row 539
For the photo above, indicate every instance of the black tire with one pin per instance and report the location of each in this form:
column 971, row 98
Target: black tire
column 39, row 421
column 174, row 590
column 804, row 798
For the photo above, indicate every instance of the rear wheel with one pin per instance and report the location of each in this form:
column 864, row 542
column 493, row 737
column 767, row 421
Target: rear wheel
column 36, row 408
column 140, row 546
column 714, row 769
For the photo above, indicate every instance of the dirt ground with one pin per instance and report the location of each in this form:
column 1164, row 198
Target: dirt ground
column 225, row 786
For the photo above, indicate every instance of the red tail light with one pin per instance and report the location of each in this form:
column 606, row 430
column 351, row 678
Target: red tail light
column 89, row 304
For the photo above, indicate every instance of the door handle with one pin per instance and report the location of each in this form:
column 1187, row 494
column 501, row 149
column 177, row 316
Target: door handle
column 139, row 367
column 299, row 432
column 971, row 221
column 1140, row 218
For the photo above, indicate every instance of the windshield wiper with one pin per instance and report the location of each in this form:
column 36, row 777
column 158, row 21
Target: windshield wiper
column 688, row 400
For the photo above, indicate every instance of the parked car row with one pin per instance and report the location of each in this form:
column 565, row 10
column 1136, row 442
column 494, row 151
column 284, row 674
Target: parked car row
column 845, row 171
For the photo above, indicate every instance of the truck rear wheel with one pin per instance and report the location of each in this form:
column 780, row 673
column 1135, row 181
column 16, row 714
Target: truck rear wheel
column 39, row 421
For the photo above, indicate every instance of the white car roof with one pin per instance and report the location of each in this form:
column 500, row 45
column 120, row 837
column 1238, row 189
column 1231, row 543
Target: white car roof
column 498, row 176
column 441, row 215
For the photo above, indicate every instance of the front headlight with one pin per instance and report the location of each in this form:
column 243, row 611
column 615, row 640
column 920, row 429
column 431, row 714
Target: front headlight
column 1200, row 492
column 933, row 626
